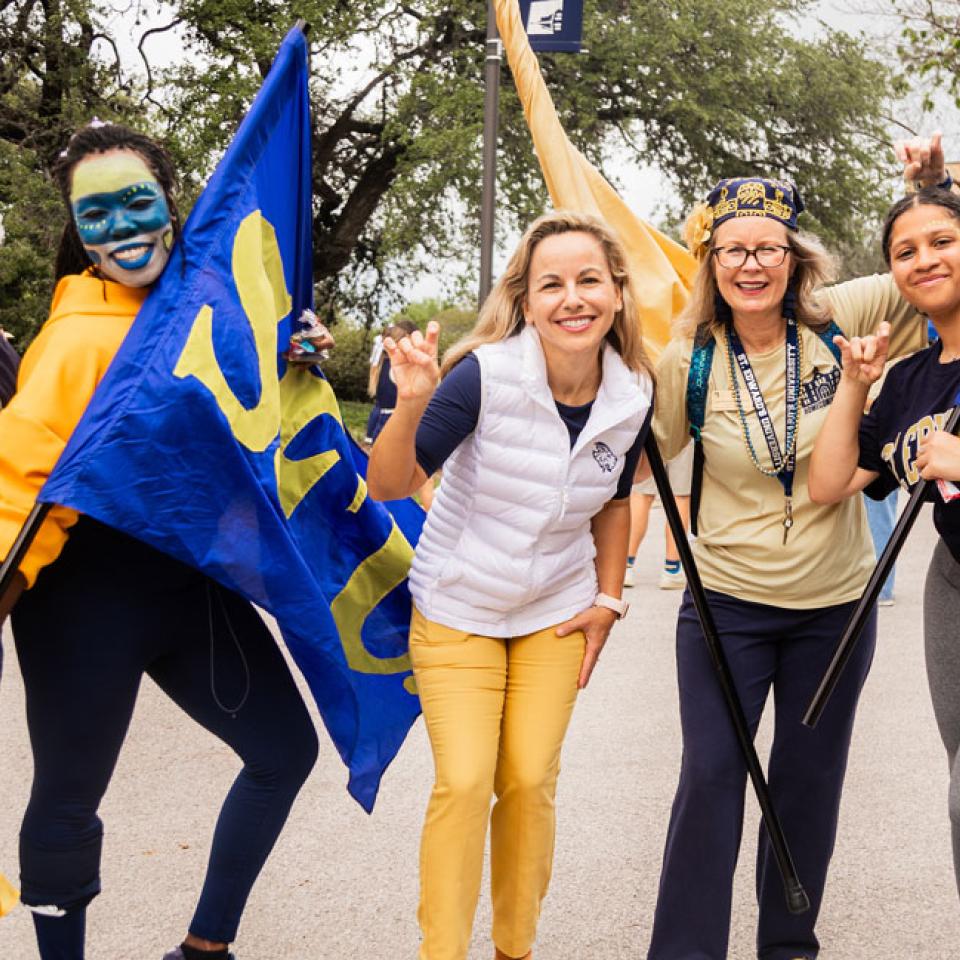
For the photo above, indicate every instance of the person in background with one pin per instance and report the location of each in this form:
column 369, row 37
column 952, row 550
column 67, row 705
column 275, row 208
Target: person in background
column 9, row 364
column 376, row 353
column 642, row 496
column 383, row 389
column 882, row 517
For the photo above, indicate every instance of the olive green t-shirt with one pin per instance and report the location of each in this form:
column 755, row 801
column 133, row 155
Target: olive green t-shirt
column 828, row 555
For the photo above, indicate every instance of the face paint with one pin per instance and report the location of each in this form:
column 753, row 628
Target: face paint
column 122, row 217
column 940, row 225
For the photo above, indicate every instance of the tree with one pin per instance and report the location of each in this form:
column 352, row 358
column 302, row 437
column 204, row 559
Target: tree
column 930, row 43
column 704, row 88
column 60, row 67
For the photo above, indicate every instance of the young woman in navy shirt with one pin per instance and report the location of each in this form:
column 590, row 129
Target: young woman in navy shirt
column 901, row 441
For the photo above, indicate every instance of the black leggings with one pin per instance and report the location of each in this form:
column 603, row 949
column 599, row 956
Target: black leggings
column 107, row 611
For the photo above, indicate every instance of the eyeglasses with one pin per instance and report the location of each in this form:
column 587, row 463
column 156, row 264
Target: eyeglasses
column 769, row 255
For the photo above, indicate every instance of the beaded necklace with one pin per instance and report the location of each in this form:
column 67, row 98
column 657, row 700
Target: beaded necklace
column 783, row 461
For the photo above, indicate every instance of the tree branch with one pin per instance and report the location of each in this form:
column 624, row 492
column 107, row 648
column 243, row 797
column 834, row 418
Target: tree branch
column 148, row 96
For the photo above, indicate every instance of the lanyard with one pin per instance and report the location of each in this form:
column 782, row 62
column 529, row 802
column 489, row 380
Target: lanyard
column 784, row 464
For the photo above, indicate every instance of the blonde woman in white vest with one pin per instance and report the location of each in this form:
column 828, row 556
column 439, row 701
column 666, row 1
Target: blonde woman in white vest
column 538, row 422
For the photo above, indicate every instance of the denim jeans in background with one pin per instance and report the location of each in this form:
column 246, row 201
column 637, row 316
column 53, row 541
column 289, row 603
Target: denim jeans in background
column 882, row 516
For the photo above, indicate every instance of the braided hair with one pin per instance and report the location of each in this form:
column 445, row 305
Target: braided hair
column 100, row 138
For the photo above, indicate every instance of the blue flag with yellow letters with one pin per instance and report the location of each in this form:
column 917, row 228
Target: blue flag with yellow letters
column 204, row 443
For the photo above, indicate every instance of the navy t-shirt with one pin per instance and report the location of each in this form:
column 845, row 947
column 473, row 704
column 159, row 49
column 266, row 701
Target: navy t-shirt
column 915, row 400
column 453, row 411
column 386, row 395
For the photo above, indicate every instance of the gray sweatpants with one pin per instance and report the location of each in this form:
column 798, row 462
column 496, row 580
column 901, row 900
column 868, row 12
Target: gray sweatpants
column 941, row 632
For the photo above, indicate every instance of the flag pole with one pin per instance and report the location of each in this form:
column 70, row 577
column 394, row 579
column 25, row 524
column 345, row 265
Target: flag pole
column 872, row 590
column 796, row 897
column 491, row 122
column 21, row 545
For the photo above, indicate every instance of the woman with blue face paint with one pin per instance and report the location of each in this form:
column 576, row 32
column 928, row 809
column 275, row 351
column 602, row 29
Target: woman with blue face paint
column 122, row 218
column 95, row 610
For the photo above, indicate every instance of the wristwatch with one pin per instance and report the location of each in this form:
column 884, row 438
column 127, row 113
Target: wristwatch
column 619, row 607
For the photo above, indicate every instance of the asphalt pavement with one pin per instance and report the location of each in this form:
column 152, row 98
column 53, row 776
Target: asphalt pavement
column 342, row 884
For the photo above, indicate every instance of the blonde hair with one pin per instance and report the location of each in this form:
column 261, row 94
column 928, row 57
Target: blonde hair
column 501, row 315
column 813, row 268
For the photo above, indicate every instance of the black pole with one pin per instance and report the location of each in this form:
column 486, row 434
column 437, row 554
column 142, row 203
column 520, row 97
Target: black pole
column 22, row 544
column 491, row 123
column 872, row 590
column 796, row 897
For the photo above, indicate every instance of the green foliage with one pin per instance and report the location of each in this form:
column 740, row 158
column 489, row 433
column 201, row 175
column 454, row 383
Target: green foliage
column 930, row 44
column 32, row 217
column 59, row 69
column 455, row 321
column 703, row 88
column 355, row 414
column 349, row 363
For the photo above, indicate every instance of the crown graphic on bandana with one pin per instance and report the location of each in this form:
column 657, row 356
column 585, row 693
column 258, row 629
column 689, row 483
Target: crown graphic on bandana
column 742, row 197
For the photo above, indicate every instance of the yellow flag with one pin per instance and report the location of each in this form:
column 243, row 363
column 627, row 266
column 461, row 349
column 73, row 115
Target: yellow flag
column 662, row 269
column 8, row 896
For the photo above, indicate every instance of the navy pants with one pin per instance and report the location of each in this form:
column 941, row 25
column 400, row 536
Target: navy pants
column 788, row 650
column 107, row 611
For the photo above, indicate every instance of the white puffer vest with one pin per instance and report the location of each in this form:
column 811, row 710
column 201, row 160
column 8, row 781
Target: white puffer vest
column 507, row 549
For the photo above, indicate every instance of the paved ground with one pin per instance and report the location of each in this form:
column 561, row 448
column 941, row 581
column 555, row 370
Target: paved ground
column 341, row 884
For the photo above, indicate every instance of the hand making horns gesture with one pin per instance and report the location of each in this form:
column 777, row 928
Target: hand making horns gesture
column 413, row 363
column 863, row 358
column 922, row 159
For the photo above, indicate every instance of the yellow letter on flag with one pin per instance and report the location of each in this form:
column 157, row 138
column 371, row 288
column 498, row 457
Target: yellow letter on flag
column 662, row 269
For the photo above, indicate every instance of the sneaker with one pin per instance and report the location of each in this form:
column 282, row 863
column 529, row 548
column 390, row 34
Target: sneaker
column 629, row 576
column 672, row 581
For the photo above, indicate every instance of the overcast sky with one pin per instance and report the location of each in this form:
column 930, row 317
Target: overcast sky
column 644, row 188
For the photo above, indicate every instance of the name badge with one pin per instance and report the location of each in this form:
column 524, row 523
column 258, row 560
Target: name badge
column 723, row 400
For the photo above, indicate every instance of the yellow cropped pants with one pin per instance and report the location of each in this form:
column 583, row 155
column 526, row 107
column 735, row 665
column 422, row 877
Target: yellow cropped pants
column 496, row 712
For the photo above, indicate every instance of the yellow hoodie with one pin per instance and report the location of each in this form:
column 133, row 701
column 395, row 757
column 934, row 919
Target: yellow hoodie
column 89, row 318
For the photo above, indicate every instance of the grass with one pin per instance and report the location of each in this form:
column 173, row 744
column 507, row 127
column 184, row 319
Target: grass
column 355, row 413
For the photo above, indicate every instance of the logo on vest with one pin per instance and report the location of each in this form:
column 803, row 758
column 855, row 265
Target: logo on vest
column 604, row 456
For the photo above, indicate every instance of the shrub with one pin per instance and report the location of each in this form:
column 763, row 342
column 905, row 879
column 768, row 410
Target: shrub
column 349, row 363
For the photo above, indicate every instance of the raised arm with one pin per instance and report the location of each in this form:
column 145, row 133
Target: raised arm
column 393, row 472
column 923, row 161
column 834, row 470
column 859, row 305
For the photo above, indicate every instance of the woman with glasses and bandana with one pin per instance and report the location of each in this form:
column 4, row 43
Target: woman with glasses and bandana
column 95, row 610
column 751, row 377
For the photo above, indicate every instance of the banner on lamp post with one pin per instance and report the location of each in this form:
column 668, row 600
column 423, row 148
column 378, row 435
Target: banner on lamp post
column 553, row 26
